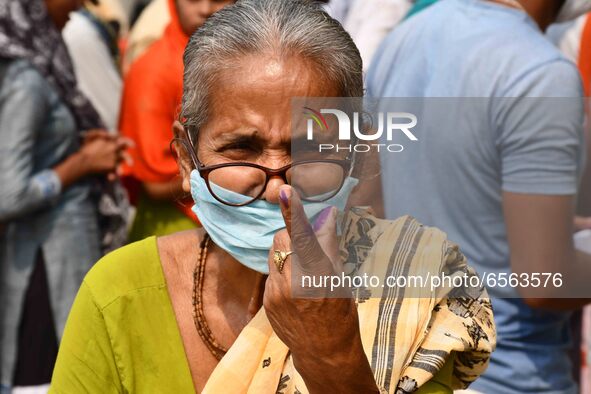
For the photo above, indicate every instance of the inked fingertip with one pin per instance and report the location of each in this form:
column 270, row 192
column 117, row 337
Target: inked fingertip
column 322, row 218
column 284, row 195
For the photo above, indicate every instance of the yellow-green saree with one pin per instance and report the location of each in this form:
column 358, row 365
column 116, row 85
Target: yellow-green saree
column 122, row 335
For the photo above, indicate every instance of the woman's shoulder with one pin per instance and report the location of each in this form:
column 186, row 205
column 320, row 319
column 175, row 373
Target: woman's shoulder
column 137, row 266
column 127, row 269
column 21, row 74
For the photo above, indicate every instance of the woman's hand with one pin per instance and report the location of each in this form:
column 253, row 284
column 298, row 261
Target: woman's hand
column 320, row 328
column 101, row 153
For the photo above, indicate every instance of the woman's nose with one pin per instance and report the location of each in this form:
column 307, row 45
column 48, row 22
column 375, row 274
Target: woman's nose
column 272, row 191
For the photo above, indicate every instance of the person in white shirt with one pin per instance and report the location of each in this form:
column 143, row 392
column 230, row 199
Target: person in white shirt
column 92, row 46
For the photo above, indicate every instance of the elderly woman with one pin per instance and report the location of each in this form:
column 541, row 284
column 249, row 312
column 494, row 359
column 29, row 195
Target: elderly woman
column 212, row 310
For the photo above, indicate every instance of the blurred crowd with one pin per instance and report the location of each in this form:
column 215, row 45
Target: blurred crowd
column 89, row 91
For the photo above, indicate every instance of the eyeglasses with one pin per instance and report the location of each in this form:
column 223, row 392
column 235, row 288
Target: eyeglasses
column 241, row 183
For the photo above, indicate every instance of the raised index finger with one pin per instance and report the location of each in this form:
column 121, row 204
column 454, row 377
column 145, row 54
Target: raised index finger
column 305, row 244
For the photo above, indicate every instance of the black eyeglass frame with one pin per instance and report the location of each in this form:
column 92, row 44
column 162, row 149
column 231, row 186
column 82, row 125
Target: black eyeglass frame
column 346, row 164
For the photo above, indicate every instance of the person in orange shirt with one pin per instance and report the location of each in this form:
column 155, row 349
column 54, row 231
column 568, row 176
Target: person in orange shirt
column 151, row 96
column 584, row 61
column 584, row 64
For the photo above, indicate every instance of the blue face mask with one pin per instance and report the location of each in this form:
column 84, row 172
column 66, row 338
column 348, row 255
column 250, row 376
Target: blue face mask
column 247, row 232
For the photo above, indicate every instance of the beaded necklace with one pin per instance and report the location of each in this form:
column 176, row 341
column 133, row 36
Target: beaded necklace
column 203, row 329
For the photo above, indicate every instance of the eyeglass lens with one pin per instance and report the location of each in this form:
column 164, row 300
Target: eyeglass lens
column 314, row 181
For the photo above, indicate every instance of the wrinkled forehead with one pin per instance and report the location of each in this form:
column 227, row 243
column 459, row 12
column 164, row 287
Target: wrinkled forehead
column 256, row 93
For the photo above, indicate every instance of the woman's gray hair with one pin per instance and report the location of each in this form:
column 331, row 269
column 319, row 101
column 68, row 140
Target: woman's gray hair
column 279, row 27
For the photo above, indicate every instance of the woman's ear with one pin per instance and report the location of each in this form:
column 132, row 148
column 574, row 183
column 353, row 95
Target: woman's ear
column 182, row 156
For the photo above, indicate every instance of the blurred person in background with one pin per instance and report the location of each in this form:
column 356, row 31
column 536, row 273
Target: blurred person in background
column 574, row 40
column 152, row 95
column 50, row 235
column 148, row 28
column 584, row 62
column 568, row 37
column 510, row 200
column 368, row 22
column 338, row 9
column 92, row 37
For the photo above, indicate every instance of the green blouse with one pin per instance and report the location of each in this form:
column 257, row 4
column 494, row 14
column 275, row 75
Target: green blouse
column 122, row 335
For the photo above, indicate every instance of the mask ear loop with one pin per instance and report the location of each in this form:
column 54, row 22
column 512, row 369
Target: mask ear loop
column 353, row 160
